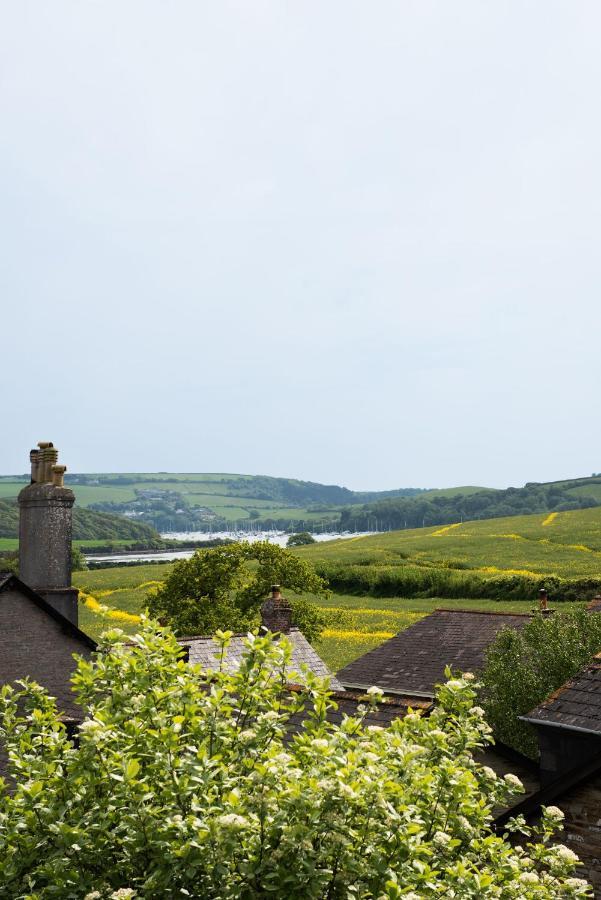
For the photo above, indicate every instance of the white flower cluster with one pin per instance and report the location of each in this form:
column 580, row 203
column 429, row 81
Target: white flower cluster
column 513, row 781
column 529, row 878
column 565, row 854
column 441, row 838
column 374, row 691
column 231, row 820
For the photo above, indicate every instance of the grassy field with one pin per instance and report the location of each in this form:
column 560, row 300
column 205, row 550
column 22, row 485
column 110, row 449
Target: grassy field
column 115, row 597
column 465, row 490
column 567, row 544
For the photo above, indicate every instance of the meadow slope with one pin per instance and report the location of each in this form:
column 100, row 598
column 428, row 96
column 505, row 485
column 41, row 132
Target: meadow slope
column 566, row 545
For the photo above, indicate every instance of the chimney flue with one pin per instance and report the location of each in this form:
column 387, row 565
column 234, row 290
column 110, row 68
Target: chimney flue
column 276, row 612
column 34, row 459
column 58, row 475
column 45, row 527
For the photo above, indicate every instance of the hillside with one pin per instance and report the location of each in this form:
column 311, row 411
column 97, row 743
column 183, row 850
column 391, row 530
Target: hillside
column 213, row 501
column 385, row 582
column 566, row 544
column 87, row 525
column 217, row 501
column 505, row 558
column 442, row 507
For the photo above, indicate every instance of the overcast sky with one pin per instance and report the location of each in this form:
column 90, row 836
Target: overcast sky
column 350, row 242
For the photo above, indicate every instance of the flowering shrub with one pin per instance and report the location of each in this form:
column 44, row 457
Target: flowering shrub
column 188, row 783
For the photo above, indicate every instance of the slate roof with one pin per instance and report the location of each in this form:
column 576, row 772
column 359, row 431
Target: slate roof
column 415, row 659
column 202, row 651
column 576, row 705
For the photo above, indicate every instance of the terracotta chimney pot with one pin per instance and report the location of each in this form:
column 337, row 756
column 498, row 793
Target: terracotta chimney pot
column 58, row 475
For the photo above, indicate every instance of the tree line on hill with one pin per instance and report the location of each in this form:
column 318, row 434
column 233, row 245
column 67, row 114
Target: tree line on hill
column 87, row 525
column 417, row 512
column 288, row 491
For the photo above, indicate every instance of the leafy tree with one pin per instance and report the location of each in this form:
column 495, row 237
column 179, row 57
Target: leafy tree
column 9, row 562
column 78, row 560
column 523, row 667
column 224, row 587
column 191, row 783
column 301, row 539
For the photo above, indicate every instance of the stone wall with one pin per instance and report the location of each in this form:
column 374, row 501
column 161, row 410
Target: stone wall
column 582, row 834
column 34, row 645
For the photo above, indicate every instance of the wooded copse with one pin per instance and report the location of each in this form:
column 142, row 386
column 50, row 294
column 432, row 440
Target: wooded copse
column 440, row 509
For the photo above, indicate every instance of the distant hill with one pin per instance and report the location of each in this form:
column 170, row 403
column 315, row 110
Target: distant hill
column 183, row 502
column 467, row 504
column 213, row 501
column 500, row 559
column 87, row 525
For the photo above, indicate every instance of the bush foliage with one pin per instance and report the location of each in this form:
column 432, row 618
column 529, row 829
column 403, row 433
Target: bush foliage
column 224, row 588
column 453, row 582
column 189, row 783
column 523, row 667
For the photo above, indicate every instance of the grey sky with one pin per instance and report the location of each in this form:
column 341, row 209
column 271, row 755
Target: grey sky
column 347, row 242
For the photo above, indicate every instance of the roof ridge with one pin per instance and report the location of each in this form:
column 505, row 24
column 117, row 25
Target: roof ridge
column 15, row 581
column 484, row 612
column 235, row 634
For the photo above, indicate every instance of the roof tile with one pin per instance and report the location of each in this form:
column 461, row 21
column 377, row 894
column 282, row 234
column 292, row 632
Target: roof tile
column 203, row 650
column 415, row 659
column 577, row 704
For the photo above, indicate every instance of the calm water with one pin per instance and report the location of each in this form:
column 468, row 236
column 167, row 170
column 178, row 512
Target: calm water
column 274, row 537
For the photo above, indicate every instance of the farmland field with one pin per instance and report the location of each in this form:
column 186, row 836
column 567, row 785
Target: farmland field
column 366, row 622
column 567, row 544
column 361, row 623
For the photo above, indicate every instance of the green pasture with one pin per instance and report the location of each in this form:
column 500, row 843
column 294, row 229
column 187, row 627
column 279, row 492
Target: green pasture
column 593, row 489
column 355, row 624
column 9, row 544
column 11, row 488
column 569, row 545
column 211, row 491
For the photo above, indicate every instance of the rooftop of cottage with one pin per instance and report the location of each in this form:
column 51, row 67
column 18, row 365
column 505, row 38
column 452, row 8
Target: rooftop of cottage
column 576, row 705
column 415, row 659
column 204, row 651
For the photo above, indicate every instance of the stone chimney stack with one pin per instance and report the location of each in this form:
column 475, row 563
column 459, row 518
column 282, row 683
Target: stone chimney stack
column 45, row 526
column 276, row 612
